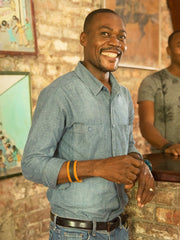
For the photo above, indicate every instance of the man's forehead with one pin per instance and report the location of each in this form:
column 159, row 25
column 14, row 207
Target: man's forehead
column 176, row 38
column 122, row 30
column 106, row 15
column 177, row 35
column 107, row 20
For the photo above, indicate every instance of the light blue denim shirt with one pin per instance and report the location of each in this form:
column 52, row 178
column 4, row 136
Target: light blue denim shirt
column 76, row 118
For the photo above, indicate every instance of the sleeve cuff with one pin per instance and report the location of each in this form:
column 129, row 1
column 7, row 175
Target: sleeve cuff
column 51, row 172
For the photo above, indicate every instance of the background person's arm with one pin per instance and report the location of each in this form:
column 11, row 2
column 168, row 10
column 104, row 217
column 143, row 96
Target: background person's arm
column 150, row 133
column 146, row 123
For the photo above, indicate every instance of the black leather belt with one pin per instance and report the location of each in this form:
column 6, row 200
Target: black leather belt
column 88, row 225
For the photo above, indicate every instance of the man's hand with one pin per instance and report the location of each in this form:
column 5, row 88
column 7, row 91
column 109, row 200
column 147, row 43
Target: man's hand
column 121, row 169
column 174, row 149
column 146, row 186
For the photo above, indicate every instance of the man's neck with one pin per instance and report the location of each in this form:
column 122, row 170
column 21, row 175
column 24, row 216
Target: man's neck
column 103, row 77
column 174, row 70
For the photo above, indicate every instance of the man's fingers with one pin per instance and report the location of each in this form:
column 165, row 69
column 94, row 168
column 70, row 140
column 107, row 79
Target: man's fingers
column 140, row 193
column 148, row 197
column 132, row 176
column 146, row 189
column 136, row 163
column 127, row 187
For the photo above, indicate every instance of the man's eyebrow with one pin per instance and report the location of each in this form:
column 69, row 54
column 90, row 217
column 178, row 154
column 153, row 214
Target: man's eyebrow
column 109, row 28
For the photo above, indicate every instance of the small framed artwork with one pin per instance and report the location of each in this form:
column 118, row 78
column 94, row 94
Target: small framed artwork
column 17, row 27
column 15, row 120
column 141, row 19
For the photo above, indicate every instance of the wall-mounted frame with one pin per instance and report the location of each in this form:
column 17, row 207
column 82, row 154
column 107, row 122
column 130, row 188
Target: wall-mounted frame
column 142, row 26
column 17, row 27
column 15, row 120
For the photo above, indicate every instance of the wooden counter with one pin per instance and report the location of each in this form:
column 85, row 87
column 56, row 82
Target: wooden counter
column 165, row 167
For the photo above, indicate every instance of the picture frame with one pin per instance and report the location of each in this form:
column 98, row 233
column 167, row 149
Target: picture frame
column 141, row 20
column 17, row 27
column 15, row 120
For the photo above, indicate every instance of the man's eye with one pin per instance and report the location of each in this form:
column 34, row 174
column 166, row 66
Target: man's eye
column 105, row 34
column 122, row 37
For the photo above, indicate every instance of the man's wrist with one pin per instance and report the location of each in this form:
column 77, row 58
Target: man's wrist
column 139, row 157
column 167, row 145
column 136, row 155
column 148, row 163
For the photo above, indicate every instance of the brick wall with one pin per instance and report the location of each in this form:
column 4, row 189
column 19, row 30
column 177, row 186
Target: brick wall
column 24, row 208
column 159, row 219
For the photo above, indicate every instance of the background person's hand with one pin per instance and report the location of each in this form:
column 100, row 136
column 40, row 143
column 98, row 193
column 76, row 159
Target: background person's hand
column 174, row 149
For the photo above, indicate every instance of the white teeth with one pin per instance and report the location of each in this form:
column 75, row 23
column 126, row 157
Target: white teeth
column 109, row 54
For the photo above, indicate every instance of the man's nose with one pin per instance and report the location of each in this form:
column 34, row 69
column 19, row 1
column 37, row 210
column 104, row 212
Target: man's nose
column 115, row 41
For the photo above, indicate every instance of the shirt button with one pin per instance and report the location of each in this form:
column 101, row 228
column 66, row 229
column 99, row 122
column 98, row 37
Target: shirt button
column 113, row 125
column 89, row 129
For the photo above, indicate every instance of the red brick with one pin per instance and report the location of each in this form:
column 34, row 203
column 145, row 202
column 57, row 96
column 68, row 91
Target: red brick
column 32, row 203
column 169, row 216
column 43, row 237
column 156, row 231
column 20, row 221
column 135, row 212
column 38, row 216
column 45, row 225
column 161, row 198
column 33, row 230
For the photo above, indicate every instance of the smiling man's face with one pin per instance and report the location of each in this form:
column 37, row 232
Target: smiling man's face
column 104, row 42
column 174, row 49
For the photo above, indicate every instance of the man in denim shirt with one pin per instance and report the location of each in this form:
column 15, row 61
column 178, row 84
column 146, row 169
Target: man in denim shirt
column 81, row 144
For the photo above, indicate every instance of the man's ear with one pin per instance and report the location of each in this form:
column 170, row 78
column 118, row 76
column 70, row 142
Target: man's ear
column 83, row 39
column 168, row 50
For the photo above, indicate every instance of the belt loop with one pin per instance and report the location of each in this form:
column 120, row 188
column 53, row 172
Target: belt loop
column 94, row 228
column 54, row 222
column 89, row 236
column 120, row 221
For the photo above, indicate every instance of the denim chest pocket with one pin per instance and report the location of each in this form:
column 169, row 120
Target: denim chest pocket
column 79, row 128
column 87, row 132
column 89, row 140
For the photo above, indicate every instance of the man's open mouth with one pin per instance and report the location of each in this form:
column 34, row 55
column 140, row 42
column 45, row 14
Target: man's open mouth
column 110, row 54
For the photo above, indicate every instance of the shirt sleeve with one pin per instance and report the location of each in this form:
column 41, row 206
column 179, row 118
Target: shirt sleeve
column 39, row 163
column 131, row 147
column 147, row 90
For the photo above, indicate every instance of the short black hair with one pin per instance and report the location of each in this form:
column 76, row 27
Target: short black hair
column 171, row 36
column 90, row 16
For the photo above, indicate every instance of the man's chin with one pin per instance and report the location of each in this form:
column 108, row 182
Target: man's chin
column 109, row 68
column 112, row 69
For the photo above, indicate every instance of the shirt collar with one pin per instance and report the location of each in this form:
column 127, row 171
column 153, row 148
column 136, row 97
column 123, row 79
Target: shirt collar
column 92, row 82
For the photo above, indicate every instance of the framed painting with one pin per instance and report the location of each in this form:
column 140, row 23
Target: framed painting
column 15, row 120
column 17, row 27
column 142, row 26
